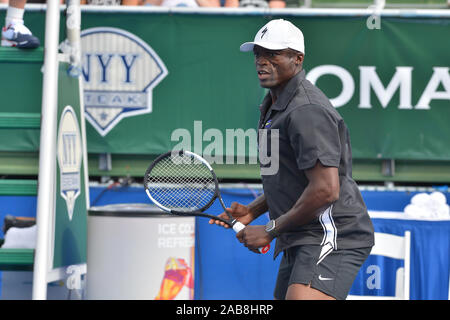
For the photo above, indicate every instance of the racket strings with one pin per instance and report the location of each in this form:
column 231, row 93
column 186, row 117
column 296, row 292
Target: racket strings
column 181, row 182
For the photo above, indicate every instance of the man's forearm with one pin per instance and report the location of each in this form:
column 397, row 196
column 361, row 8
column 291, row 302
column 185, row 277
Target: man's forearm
column 322, row 190
column 307, row 207
column 258, row 206
column 314, row 200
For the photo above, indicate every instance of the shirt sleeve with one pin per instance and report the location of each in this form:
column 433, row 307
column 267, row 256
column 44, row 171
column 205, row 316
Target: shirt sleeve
column 314, row 135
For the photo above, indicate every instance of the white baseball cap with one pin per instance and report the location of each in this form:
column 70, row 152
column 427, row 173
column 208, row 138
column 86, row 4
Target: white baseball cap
column 277, row 35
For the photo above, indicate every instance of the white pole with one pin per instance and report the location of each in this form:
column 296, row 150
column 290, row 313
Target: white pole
column 47, row 154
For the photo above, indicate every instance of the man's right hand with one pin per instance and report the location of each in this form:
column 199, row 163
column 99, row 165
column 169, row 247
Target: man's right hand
column 238, row 211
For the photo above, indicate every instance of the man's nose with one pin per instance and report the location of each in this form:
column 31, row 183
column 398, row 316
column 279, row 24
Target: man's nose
column 260, row 60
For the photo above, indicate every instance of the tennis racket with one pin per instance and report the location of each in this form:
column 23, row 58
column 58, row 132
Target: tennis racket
column 184, row 184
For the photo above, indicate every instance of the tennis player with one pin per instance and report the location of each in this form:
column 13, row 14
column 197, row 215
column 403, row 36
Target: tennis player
column 318, row 216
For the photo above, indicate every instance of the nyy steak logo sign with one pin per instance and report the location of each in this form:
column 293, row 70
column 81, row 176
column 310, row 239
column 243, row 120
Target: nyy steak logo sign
column 120, row 71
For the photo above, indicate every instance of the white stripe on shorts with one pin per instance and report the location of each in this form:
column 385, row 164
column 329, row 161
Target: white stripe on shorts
column 330, row 233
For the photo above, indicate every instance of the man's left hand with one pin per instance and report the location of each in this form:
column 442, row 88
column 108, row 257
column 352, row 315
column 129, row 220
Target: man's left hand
column 254, row 237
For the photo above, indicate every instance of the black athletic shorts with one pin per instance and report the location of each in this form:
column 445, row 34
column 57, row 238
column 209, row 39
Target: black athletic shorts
column 334, row 275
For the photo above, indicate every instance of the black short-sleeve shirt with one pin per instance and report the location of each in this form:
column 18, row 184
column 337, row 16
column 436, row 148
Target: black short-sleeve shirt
column 308, row 129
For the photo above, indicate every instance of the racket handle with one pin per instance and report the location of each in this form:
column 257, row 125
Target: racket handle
column 238, row 226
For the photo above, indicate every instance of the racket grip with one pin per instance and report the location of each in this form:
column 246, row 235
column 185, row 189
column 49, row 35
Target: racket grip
column 238, row 226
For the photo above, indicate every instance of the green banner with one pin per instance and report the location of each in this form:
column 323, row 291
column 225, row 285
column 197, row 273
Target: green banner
column 70, row 220
column 156, row 80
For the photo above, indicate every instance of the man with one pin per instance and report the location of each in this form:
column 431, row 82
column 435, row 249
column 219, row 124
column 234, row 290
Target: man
column 15, row 33
column 317, row 213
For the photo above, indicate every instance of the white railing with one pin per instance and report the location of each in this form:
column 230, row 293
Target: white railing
column 403, row 12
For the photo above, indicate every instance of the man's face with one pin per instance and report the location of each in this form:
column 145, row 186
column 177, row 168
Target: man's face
column 275, row 67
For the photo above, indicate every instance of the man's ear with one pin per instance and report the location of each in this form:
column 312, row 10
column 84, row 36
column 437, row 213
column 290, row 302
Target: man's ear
column 299, row 59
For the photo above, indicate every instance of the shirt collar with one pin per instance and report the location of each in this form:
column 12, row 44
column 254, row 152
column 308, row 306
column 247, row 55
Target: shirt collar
column 289, row 91
column 286, row 95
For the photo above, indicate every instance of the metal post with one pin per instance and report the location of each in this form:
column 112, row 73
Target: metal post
column 71, row 45
column 47, row 154
column 379, row 4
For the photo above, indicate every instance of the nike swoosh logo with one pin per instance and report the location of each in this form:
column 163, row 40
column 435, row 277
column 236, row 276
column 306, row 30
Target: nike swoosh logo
column 323, row 279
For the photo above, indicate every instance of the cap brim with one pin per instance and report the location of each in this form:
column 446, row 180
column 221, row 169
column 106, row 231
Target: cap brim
column 248, row 46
